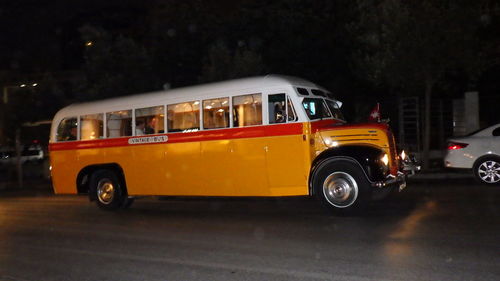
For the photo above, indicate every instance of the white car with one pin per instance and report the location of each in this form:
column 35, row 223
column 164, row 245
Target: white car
column 29, row 153
column 479, row 151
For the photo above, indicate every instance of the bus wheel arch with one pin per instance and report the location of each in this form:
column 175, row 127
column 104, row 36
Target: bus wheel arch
column 364, row 156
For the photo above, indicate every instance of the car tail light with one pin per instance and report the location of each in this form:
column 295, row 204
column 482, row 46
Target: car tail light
column 457, row 145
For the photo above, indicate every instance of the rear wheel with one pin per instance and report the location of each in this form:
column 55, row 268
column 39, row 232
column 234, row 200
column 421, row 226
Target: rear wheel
column 341, row 186
column 107, row 189
column 487, row 170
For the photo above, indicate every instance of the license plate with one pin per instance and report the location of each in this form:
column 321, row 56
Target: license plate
column 402, row 185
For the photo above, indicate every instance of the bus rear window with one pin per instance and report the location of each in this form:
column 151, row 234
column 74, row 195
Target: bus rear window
column 316, row 108
column 67, row 129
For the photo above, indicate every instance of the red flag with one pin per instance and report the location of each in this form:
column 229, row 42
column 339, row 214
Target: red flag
column 375, row 113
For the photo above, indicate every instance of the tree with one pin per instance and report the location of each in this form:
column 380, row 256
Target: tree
column 221, row 63
column 411, row 45
column 115, row 65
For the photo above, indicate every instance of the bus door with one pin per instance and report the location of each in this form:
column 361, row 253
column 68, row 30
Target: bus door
column 286, row 147
column 248, row 147
column 182, row 164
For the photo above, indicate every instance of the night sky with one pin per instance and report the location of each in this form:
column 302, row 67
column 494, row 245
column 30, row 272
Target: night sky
column 45, row 37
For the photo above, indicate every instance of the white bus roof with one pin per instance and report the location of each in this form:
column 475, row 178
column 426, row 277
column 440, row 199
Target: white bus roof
column 146, row 99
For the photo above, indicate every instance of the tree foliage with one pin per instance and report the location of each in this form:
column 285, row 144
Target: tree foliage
column 222, row 63
column 411, row 45
column 115, row 65
column 405, row 43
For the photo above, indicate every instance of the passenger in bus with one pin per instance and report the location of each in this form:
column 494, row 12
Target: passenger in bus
column 279, row 113
column 150, row 127
column 139, row 127
column 71, row 134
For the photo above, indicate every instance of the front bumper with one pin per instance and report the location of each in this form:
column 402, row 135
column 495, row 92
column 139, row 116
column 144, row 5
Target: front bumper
column 409, row 168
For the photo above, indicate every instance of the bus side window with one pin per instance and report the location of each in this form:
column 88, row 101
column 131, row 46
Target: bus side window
column 291, row 116
column 183, row 116
column 150, row 120
column 67, row 130
column 119, row 123
column 91, row 126
column 276, row 108
column 216, row 113
column 247, row 110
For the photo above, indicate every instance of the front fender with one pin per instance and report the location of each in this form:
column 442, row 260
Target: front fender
column 368, row 158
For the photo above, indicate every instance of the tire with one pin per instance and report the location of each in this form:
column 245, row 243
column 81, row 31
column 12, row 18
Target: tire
column 487, row 170
column 107, row 190
column 341, row 186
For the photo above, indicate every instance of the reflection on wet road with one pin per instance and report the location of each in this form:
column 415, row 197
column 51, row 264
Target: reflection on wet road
column 432, row 231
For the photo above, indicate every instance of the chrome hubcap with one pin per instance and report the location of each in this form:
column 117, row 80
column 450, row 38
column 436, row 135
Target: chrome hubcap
column 489, row 171
column 340, row 189
column 105, row 191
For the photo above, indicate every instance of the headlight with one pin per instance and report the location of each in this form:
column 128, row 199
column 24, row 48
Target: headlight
column 403, row 155
column 385, row 159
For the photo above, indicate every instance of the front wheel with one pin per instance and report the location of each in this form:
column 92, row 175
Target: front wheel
column 341, row 186
column 488, row 170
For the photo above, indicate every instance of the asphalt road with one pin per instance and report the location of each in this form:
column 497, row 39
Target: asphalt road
column 439, row 230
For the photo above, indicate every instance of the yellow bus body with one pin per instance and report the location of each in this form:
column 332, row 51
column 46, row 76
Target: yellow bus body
column 257, row 166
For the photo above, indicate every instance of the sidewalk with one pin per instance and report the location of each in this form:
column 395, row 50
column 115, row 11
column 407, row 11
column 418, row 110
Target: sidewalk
column 442, row 175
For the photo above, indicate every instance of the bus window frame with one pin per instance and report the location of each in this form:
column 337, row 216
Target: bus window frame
column 79, row 138
column 77, row 117
column 180, row 101
column 287, row 99
column 202, row 115
column 106, row 126
column 263, row 99
column 335, row 102
column 290, row 100
column 150, row 106
column 324, row 103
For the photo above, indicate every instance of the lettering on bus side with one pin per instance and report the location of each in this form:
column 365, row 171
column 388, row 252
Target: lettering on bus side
column 143, row 140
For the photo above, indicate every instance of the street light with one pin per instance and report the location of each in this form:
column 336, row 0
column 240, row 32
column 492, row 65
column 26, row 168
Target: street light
column 6, row 90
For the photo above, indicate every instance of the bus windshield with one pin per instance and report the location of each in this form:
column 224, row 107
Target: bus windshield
column 334, row 108
column 316, row 108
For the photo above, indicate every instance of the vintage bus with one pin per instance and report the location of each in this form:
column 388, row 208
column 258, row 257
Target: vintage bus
column 259, row 136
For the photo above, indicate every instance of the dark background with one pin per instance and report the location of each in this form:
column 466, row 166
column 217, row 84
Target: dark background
column 363, row 51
